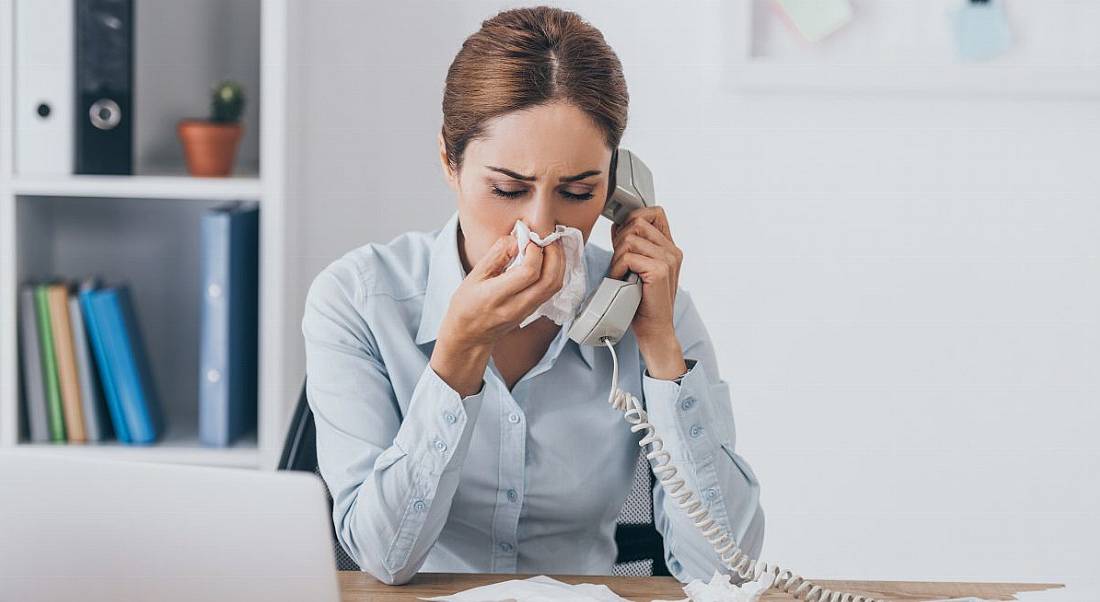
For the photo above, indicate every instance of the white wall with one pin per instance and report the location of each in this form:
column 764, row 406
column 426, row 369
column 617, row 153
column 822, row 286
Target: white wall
column 902, row 292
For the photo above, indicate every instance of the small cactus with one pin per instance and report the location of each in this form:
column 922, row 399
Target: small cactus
column 227, row 102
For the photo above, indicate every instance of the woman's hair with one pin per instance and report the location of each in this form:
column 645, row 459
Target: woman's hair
column 527, row 57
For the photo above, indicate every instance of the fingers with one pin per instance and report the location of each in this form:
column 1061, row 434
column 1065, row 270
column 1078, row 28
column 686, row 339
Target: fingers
column 642, row 228
column 550, row 279
column 648, row 268
column 652, row 216
column 643, row 238
column 644, row 246
column 496, row 258
column 526, row 273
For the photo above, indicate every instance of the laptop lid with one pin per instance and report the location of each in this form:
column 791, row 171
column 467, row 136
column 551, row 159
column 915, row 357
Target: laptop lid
column 97, row 529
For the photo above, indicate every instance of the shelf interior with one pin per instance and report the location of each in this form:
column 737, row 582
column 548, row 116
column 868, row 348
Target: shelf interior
column 153, row 245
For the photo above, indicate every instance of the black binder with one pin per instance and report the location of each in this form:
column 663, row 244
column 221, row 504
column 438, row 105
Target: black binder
column 104, row 86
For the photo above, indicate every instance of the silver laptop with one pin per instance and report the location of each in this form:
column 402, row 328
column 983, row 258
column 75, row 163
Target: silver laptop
column 93, row 529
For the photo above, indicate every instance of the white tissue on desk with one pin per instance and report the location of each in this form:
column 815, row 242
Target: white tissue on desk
column 534, row 589
column 547, row 589
column 720, row 589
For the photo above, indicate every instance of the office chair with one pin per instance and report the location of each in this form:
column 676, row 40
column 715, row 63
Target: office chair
column 641, row 547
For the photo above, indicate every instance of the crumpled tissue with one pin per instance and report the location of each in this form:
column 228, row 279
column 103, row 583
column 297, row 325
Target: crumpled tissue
column 563, row 305
column 548, row 589
column 534, row 589
column 721, row 589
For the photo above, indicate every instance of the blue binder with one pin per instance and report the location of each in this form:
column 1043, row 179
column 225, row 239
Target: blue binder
column 103, row 366
column 127, row 361
column 228, row 348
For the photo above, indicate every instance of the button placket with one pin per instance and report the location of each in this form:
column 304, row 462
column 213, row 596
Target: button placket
column 506, row 513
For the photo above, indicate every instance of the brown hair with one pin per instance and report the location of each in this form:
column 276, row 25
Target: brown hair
column 527, row 57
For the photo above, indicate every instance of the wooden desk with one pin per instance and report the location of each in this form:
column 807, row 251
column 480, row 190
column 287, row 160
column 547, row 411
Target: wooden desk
column 361, row 587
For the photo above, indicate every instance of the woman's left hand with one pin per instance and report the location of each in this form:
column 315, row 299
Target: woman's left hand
column 644, row 245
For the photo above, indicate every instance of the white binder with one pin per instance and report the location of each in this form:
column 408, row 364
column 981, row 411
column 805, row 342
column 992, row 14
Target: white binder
column 44, row 77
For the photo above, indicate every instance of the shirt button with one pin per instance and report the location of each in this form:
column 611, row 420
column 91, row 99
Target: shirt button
column 440, row 445
column 449, row 416
column 513, row 418
column 710, row 493
column 419, row 505
column 512, row 495
column 696, row 431
column 686, row 404
column 506, row 547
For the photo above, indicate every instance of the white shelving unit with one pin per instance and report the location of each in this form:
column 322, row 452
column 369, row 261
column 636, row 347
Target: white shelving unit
column 142, row 187
column 143, row 229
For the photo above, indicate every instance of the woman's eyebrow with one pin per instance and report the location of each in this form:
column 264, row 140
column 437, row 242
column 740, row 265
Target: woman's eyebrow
column 512, row 174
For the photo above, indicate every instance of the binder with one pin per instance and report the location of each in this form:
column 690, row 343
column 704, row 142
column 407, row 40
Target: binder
column 44, row 87
column 103, row 366
column 95, row 423
column 54, row 413
column 104, row 74
column 34, row 388
column 127, row 361
column 65, row 357
column 228, row 336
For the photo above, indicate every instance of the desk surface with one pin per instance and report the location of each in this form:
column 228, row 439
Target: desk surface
column 361, row 587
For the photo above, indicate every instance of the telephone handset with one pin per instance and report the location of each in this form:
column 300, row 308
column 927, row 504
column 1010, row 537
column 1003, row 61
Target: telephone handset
column 602, row 320
column 608, row 312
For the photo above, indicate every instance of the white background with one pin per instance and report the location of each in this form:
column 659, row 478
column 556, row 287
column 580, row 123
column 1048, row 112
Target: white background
column 902, row 288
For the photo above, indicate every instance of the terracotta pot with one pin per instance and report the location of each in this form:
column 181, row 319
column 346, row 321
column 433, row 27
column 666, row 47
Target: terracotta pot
column 209, row 147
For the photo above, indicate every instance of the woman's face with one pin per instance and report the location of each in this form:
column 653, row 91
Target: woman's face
column 545, row 165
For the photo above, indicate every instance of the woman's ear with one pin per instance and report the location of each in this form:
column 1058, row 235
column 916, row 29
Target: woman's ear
column 448, row 173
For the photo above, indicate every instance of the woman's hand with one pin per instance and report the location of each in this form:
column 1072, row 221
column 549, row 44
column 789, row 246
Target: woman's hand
column 644, row 245
column 491, row 302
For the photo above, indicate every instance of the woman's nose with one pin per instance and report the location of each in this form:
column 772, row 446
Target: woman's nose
column 541, row 218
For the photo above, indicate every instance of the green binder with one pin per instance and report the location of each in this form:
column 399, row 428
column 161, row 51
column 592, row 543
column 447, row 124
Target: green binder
column 49, row 366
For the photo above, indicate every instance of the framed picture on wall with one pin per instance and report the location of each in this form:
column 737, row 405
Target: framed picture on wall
column 939, row 47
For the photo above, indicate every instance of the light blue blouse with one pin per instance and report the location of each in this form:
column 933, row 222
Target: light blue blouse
column 529, row 480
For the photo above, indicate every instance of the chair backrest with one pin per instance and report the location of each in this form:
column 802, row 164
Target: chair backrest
column 640, row 545
column 300, row 453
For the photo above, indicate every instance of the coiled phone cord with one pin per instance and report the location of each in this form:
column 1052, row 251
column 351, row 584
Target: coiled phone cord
column 747, row 568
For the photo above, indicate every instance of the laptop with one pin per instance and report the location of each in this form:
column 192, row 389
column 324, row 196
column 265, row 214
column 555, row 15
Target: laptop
column 97, row 529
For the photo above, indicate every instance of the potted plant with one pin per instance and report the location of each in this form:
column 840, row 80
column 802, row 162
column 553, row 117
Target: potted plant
column 210, row 145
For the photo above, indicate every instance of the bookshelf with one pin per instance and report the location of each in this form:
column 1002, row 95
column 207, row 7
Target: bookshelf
column 143, row 228
column 181, row 187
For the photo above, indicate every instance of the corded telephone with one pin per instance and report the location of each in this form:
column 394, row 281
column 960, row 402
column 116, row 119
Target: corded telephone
column 602, row 320
column 608, row 312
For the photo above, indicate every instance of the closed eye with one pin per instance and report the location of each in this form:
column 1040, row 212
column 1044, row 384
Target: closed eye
column 511, row 194
column 579, row 197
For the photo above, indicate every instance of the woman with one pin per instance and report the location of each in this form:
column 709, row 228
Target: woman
column 451, row 439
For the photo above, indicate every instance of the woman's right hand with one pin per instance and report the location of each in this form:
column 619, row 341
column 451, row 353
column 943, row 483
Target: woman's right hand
column 490, row 303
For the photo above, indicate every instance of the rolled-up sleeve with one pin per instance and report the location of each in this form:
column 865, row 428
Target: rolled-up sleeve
column 392, row 478
column 694, row 419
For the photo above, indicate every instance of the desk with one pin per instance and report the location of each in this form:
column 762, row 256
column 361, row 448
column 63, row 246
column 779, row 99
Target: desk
column 361, row 587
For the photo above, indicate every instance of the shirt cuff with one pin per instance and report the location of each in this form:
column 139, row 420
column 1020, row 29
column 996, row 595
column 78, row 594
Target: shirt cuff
column 437, row 418
column 681, row 413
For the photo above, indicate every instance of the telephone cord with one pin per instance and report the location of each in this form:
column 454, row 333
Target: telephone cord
column 728, row 551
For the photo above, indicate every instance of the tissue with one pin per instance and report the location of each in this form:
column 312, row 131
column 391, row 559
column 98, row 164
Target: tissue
column 563, row 305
